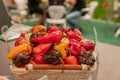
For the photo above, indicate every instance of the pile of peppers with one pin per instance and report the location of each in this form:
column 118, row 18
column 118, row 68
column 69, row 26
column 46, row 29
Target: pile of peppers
column 53, row 46
column 75, row 38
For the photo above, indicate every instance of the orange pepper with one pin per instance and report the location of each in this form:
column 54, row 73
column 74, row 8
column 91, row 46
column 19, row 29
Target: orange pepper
column 39, row 28
column 23, row 48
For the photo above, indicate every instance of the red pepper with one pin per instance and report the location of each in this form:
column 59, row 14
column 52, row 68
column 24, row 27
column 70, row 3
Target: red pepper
column 53, row 28
column 71, row 34
column 89, row 46
column 75, row 34
column 75, row 50
column 41, row 48
column 53, row 37
column 75, row 38
column 66, row 29
column 38, row 59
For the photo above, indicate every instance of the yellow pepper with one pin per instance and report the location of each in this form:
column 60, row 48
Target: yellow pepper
column 65, row 42
column 62, row 46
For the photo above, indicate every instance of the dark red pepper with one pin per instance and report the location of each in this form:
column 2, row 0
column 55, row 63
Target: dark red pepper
column 52, row 57
column 89, row 46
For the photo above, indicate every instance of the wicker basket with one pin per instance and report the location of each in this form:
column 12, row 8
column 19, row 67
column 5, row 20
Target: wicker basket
column 52, row 74
column 35, row 72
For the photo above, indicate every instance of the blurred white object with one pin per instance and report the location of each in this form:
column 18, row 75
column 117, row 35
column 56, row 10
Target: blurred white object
column 117, row 8
column 117, row 33
column 56, row 13
column 22, row 6
column 92, row 7
column 15, row 30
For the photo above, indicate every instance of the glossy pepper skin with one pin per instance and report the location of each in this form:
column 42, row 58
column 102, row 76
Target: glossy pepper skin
column 75, row 38
column 71, row 60
column 62, row 46
column 41, row 48
column 75, row 47
column 53, row 37
column 89, row 46
column 38, row 59
column 53, row 28
column 23, row 48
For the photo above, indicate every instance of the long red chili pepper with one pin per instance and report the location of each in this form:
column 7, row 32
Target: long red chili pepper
column 53, row 37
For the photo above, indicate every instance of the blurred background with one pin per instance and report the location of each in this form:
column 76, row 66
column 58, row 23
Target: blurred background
column 104, row 15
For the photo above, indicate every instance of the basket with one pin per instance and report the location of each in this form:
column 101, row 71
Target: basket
column 52, row 72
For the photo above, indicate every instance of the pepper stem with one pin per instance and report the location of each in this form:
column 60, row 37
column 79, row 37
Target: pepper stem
column 62, row 64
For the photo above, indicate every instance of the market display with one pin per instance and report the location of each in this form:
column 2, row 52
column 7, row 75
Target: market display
column 53, row 46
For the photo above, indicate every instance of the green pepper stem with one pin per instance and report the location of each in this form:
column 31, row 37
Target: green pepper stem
column 62, row 64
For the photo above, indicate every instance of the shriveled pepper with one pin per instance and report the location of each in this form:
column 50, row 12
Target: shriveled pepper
column 39, row 28
column 53, row 37
column 23, row 48
column 62, row 46
column 52, row 57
